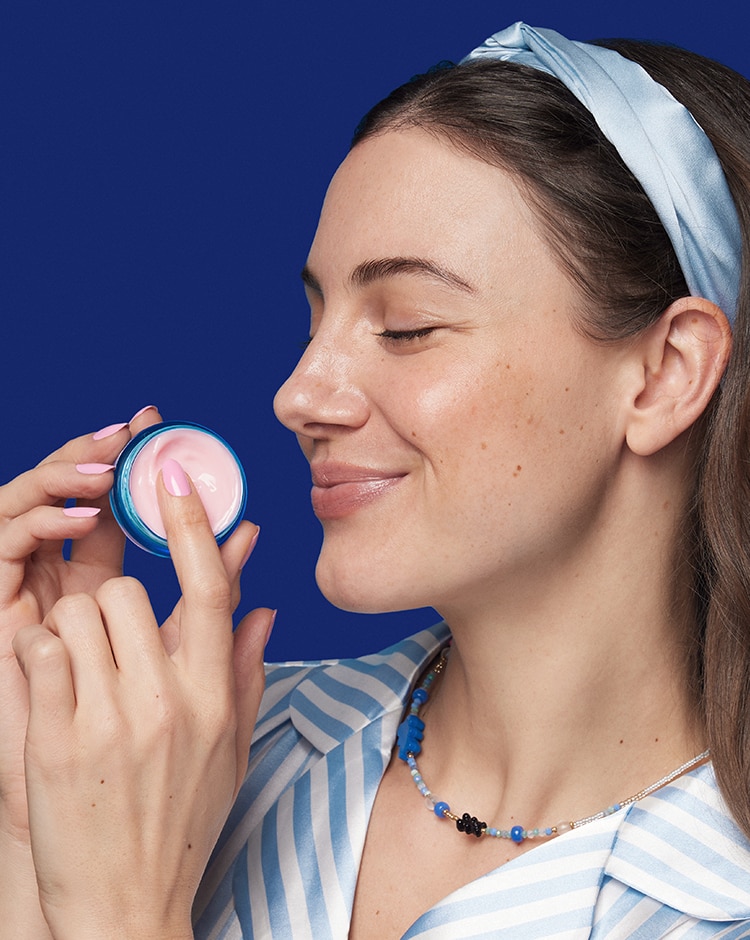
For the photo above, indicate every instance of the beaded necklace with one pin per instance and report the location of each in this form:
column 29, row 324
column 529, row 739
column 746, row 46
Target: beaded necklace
column 411, row 734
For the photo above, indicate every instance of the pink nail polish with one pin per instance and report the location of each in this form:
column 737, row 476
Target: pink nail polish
column 250, row 548
column 81, row 512
column 142, row 411
column 174, row 478
column 108, row 431
column 93, row 468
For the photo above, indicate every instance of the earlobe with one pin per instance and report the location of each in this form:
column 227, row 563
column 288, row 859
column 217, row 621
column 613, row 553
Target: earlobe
column 681, row 359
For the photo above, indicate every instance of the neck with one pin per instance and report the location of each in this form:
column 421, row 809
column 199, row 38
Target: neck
column 563, row 695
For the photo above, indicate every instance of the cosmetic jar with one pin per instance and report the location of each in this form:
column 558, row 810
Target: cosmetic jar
column 208, row 460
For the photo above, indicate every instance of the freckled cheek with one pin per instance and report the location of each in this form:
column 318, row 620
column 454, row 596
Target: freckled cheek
column 475, row 424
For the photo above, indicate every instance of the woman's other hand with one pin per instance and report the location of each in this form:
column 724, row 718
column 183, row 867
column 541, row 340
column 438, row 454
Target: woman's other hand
column 138, row 737
column 33, row 576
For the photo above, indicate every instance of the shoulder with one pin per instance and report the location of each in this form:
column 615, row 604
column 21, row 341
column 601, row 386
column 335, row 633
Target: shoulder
column 678, row 855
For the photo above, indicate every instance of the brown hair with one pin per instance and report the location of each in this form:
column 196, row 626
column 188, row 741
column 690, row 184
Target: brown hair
column 606, row 234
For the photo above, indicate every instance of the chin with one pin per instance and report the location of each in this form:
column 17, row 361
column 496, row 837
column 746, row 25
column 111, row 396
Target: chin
column 363, row 592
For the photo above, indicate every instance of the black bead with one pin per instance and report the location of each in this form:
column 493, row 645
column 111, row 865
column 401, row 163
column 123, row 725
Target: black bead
column 470, row 825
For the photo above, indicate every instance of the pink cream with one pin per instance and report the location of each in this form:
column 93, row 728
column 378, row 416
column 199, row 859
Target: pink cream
column 211, row 467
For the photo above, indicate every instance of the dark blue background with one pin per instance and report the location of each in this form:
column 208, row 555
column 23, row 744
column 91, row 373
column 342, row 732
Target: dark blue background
column 161, row 169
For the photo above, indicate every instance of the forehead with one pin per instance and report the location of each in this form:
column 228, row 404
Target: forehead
column 411, row 193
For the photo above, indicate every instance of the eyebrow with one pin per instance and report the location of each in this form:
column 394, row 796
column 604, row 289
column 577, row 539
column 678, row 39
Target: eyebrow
column 380, row 269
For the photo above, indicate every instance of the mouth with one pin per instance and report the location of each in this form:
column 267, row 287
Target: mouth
column 341, row 489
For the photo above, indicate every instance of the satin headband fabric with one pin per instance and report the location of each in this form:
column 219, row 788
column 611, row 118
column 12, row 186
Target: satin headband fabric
column 659, row 141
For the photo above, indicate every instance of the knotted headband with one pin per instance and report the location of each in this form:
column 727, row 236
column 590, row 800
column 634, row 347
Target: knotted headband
column 659, row 141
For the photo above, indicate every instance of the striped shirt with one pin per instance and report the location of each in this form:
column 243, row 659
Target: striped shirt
column 671, row 865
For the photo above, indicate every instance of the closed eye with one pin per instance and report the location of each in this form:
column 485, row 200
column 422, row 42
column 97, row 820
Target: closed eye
column 405, row 336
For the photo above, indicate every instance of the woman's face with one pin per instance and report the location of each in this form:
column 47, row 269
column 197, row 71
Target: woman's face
column 460, row 431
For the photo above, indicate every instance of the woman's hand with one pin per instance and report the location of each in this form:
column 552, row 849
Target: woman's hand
column 34, row 574
column 138, row 738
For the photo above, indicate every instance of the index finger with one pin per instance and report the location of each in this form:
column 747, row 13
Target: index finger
column 206, row 641
column 55, row 479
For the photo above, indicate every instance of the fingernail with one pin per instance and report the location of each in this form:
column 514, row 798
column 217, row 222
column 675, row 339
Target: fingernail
column 109, row 431
column 142, row 411
column 250, row 548
column 270, row 627
column 94, row 467
column 174, row 478
column 81, row 512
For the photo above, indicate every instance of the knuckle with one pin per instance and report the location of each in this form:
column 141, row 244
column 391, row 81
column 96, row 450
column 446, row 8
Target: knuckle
column 105, row 730
column 168, row 723
column 165, row 709
column 215, row 593
column 49, row 478
column 72, row 605
column 165, row 716
column 118, row 591
column 45, row 651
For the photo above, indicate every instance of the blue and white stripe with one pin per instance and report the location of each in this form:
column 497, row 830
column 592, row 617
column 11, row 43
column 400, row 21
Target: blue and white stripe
column 672, row 865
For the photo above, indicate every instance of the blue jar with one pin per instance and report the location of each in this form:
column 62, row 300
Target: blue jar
column 213, row 467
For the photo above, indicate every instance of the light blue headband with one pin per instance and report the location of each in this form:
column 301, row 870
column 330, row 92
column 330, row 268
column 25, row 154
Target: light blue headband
column 659, row 141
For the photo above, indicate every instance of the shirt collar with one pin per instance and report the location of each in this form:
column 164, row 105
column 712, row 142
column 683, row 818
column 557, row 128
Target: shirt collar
column 681, row 847
column 336, row 700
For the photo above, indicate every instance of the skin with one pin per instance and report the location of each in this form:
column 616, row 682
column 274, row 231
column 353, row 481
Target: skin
column 539, row 483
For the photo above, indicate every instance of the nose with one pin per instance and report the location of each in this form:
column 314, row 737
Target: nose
column 323, row 393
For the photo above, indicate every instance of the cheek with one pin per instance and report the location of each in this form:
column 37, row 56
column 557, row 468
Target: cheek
column 504, row 433
column 451, row 397
column 477, row 416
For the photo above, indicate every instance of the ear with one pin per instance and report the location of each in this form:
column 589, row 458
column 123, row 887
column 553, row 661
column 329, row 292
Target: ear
column 678, row 365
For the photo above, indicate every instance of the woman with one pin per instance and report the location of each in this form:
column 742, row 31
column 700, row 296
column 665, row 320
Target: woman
column 523, row 404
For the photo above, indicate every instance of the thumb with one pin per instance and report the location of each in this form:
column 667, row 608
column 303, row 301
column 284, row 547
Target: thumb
column 250, row 640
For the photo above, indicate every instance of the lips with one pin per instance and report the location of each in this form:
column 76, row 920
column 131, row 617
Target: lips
column 341, row 489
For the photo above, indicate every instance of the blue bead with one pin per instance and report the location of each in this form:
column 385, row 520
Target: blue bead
column 410, row 733
column 548, row 832
column 420, row 695
column 516, row 834
column 441, row 809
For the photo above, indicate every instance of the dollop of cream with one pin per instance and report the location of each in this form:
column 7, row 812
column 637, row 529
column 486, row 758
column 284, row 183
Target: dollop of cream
column 209, row 464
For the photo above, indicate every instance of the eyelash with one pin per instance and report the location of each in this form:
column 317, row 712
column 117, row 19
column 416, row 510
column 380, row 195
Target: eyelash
column 405, row 336
column 394, row 336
